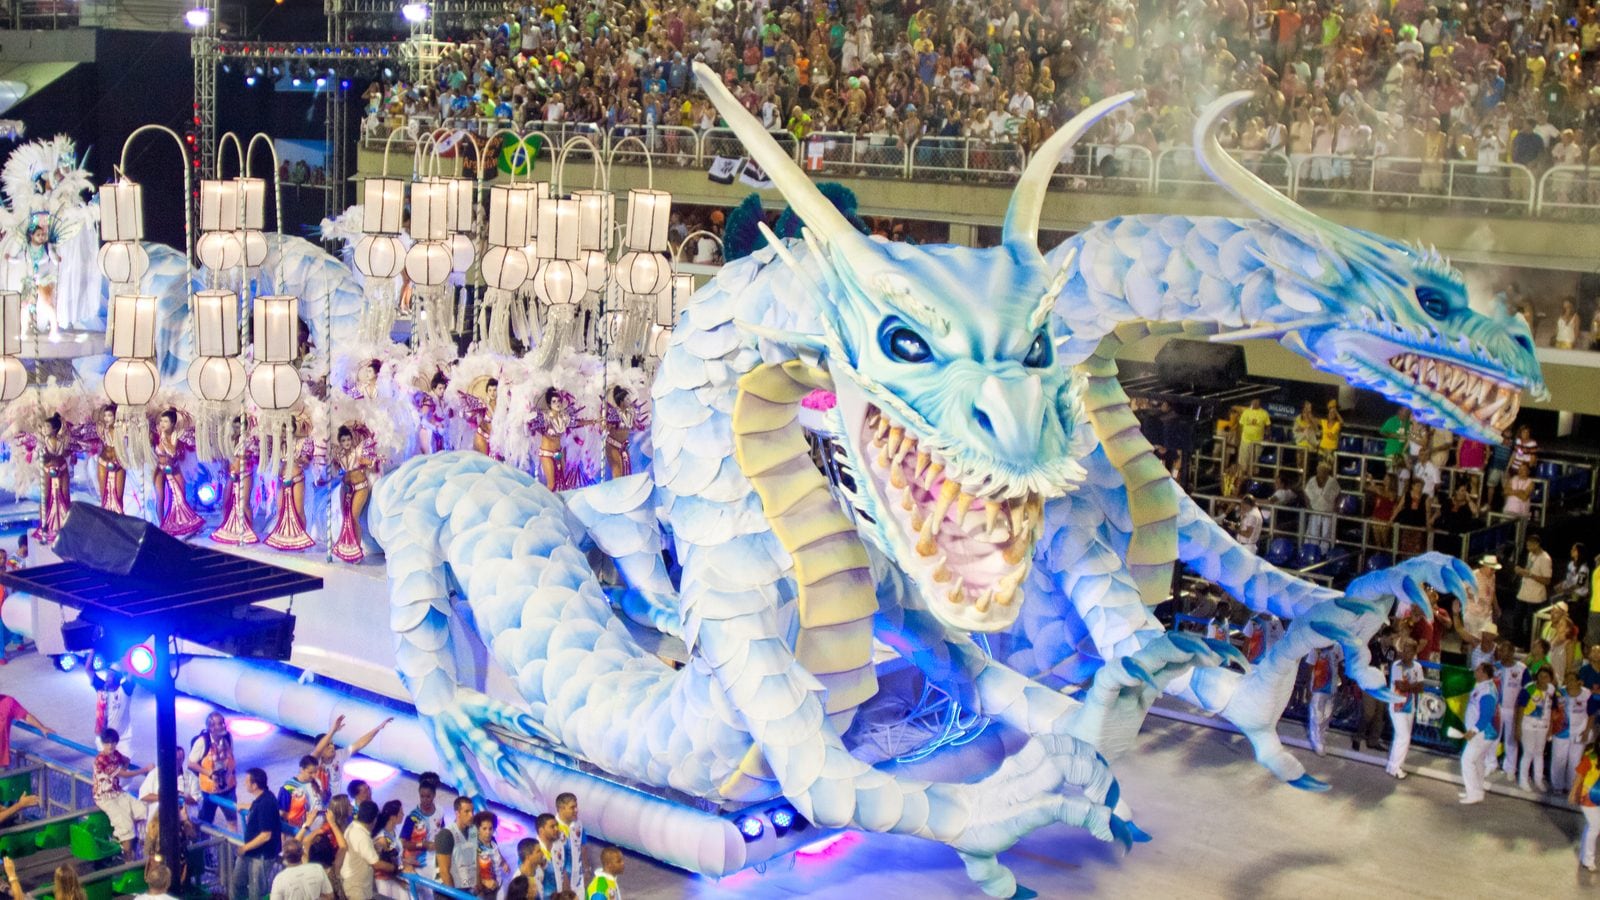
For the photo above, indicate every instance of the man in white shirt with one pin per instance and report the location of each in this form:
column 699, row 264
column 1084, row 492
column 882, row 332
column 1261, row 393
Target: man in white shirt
column 1249, row 524
column 1533, row 589
column 1322, row 497
column 300, row 879
column 157, row 882
column 188, row 788
column 361, row 855
column 1427, row 474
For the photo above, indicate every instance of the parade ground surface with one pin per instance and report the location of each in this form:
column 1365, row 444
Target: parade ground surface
column 1222, row 827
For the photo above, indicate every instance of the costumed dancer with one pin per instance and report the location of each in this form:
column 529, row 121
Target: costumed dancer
column 289, row 530
column 1482, row 715
column 626, row 414
column 420, row 378
column 40, row 267
column 112, row 474
column 46, row 234
column 433, row 418
column 1510, row 675
column 237, row 528
column 556, row 418
column 353, row 461
column 482, row 399
column 170, row 445
column 1405, row 679
column 55, row 451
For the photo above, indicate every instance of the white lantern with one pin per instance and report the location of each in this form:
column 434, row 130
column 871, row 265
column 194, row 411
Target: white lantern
column 219, row 205
column 380, row 256
column 597, row 216
column 219, row 250
column 277, row 328
column 383, row 206
column 255, row 247
column 216, row 323
column 648, row 215
column 430, row 210
column 252, row 203
column 672, row 300
column 13, row 378
column 558, row 229
column 428, row 263
column 512, row 208
column 123, row 262
column 597, row 269
column 505, row 268
column 133, row 326
column 10, row 323
column 660, row 338
column 462, row 253
column 274, row 386
column 559, row 282
column 643, row 273
column 218, row 379
column 131, row 382
column 459, row 203
column 121, row 211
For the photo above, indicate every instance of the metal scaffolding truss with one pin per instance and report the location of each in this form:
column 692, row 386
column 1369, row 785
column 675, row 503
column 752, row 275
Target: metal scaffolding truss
column 385, row 10
column 203, row 50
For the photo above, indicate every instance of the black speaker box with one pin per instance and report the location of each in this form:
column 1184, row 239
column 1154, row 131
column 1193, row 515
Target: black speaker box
column 121, row 545
column 1201, row 365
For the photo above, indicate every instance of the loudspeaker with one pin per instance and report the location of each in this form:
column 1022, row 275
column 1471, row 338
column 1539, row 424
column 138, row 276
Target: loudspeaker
column 1201, row 365
column 120, row 545
column 79, row 636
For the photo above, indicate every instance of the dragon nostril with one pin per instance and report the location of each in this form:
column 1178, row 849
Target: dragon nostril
column 982, row 418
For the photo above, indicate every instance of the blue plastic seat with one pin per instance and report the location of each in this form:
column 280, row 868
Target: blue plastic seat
column 1310, row 555
column 1373, row 446
column 1547, row 470
column 1377, row 561
column 1268, row 456
column 1258, row 489
column 1350, row 444
column 1280, row 551
column 1340, row 562
column 1349, row 505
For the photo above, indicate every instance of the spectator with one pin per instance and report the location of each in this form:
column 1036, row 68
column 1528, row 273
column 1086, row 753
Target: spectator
column 1412, row 520
column 1499, row 463
column 1567, row 325
column 252, row 874
column 1471, row 457
column 1482, row 714
column 520, row 888
column 1461, row 514
column 211, row 759
column 360, row 792
column 1307, row 434
column 299, row 801
column 300, row 878
column 1286, row 500
column 1524, row 450
column 1395, row 430
column 548, row 833
column 11, row 710
column 1519, row 493
column 1322, row 497
column 121, row 807
column 157, row 883
column 491, row 865
column 1384, row 503
column 420, row 827
column 1253, row 425
column 1480, row 611
column 188, row 791
column 361, row 859
column 1535, row 706
column 1249, row 534
column 1560, row 634
column 386, row 838
column 1405, row 680
column 113, row 698
column 1425, row 472
column 331, row 759
column 1332, row 425
column 26, row 801
column 1533, row 589
column 604, row 885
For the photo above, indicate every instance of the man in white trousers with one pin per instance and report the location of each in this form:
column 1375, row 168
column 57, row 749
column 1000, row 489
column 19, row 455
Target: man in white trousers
column 1405, row 679
column 1322, row 498
column 1324, row 663
column 1566, row 745
column 1536, row 707
column 1510, row 673
column 1482, row 715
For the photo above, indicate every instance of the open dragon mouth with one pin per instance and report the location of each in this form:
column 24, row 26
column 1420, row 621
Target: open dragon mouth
column 973, row 552
column 1492, row 402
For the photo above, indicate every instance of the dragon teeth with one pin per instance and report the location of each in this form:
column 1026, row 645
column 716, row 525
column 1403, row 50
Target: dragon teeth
column 1491, row 402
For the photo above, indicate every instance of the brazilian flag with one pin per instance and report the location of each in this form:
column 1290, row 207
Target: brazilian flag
column 1455, row 685
column 518, row 159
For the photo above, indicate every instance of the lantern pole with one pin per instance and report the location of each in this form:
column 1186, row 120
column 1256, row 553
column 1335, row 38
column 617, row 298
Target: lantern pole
column 188, row 182
column 333, row 427
column 602, row 174
column 277, row 207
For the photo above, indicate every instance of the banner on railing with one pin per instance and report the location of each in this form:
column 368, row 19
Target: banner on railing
column 754, row 175
column 724, row 169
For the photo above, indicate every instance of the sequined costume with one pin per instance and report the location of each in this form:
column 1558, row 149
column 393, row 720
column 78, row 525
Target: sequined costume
column 55, row 495
column 355, row 486
column 289, row 531
column 178, row 518
column 238, row 527
column 112, row 476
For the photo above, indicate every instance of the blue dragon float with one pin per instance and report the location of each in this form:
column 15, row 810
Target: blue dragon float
column 991, row 481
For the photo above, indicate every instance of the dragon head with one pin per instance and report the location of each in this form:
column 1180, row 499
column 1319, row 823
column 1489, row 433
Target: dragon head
column 1379, row 314
column 955, row 421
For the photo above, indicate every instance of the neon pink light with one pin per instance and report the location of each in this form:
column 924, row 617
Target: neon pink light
column 189, row 706
column 250, row 728
column 830, row 846
column 370, row 770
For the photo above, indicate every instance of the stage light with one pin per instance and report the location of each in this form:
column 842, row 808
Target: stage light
column 189, row 706
column 374, row 773
column 98, row 662
column 322, row 82
column 414, row 12
column 750, row 827
column 783, row 818
column 67, row 662
column 250, row 81
column 141, row 660
column 344, row 84
column 277, row 72
column 259, row 71
column 825, row 847
column 226, row 68
column 297, row 82
column 250, row 728
column 197, row 18
column 206, row 495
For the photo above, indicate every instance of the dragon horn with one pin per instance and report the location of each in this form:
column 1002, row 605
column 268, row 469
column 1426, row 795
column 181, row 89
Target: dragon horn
column 1027, row 201
column 816, row 211
column 1261, row 197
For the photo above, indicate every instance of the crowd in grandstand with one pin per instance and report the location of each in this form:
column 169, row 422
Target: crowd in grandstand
column 1511, row 81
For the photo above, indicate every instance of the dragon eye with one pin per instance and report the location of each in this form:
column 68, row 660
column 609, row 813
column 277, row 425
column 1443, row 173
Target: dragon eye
column 903, row 344
column 1038, row 353
column 1433, row 302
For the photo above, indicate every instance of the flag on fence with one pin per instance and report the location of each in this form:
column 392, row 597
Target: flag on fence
column 517, row 158
column 725, row 169
column 754, row 175
column 816, row 154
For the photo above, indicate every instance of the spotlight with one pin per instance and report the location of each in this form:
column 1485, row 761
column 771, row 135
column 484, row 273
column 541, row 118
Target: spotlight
column 197, row 18
column 322, row 82
column 276, row 72
column 98, row 662
column 206, row 494
column 414, row 12
column 344, row 85
column 141, row 660
column 297, row 82
column 388, row 72
column 67, row 662
column 783, row 818
column 250, row 81
column 259, row 71
column 750, row 827
column 226, row 68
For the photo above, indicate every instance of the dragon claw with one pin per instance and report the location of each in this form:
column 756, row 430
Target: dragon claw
column 1332, row 632
column 1310, row 783
column 1229, row 653
column 1188, row 643
column 1122, row 833
column 1385, row 694
column 1140, row 836
column 1352, row 606
column 1133, row 668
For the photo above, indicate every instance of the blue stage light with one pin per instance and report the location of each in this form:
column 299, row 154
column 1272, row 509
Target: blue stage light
column 141, row 660
column 782, row 819
column 206, row 494
column 344, row 84
column 250, row 81
column 750, row 827
column 66, row 662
